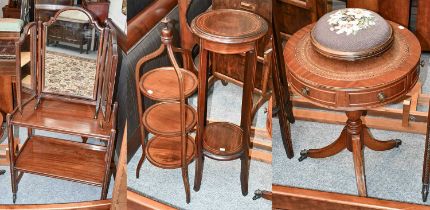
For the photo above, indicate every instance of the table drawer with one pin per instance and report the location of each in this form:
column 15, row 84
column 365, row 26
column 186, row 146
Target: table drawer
column 387, row 94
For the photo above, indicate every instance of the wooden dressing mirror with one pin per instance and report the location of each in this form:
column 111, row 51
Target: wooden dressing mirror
column 71, row 55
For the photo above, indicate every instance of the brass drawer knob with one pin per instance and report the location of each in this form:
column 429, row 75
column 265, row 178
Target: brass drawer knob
column 381, row 97
column 305, row 91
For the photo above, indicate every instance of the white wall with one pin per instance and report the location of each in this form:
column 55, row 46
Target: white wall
column 115, row 13
column 2, row 4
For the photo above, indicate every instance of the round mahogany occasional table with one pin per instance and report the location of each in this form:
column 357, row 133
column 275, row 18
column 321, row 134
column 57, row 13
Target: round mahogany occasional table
column 353, row 87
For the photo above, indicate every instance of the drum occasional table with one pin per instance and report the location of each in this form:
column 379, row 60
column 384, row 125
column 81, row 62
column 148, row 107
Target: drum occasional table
column 353, row 87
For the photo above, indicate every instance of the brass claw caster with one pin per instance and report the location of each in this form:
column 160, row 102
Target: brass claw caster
column 398, row 142
column 303, row 155
column 425, row 192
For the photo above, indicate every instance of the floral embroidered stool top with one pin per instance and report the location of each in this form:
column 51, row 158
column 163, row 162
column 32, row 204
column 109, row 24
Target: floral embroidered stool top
column 351, row 34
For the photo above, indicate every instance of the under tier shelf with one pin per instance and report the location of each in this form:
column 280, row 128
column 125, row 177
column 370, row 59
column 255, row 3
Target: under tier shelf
column 63, row 159
column 223, row 141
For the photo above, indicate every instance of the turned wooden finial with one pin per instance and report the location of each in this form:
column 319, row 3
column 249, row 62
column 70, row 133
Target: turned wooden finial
column 166, row 32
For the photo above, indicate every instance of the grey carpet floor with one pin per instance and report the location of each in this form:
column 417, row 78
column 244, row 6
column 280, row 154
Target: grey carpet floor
column 391, row 175
column 34, row 189
column 220, row 187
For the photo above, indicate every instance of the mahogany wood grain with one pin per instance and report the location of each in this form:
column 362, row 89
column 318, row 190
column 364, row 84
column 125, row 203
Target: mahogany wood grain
column 162, row 84
column 1, row 123
column 6, row 96
column 52, row 116
column 398, row 12
column 362, row 92
column 62, row 159
column 100, row 9
column 139, row 202
column 11, row 12
column 172, row 118
column 223, row 141
column 63, row 114
column 296, row 14
column 218, row 33
column 351, row 92
column 280, row 83
column 87, row 205
column 423, row 24
column 119, row 193
column 142, row 23
column 292, row 198
column 165, row 152
column 156, row 117
column 230, row 68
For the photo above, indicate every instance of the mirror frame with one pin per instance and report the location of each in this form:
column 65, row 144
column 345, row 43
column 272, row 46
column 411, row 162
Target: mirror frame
column 43, row 28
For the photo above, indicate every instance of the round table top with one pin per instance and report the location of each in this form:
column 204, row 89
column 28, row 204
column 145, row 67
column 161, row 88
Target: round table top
column 229, row 26
column 353, row 85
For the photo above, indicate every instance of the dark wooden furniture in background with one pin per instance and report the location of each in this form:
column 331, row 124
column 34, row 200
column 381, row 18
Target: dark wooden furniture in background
column 74, row 32
column 308, row 76
column 172, row 146
column 99, row 8
column 7, row 70
column 230, row 68
column 398, row 12
column 45, row 9
column 280, row 83
column 296, row 14
column 11, row 12
column 423, row 24
column 95, row 118
column 139, row 25
column 226, row 31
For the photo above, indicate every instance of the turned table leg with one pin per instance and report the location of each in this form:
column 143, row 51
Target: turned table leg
column 354, row 128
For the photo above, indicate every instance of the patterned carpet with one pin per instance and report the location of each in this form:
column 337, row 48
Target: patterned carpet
column 69, row 75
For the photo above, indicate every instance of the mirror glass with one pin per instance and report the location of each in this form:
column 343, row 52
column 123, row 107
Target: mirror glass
column 70, row 61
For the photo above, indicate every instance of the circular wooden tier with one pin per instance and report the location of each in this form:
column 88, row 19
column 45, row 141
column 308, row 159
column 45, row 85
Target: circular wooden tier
column 165, row 152
column 227, row 30
column 164, row 119
column 358, row 85
column 161, row 84
column 223, row 141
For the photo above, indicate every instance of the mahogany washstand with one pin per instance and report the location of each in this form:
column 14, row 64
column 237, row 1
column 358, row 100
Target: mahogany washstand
column 353, row 87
